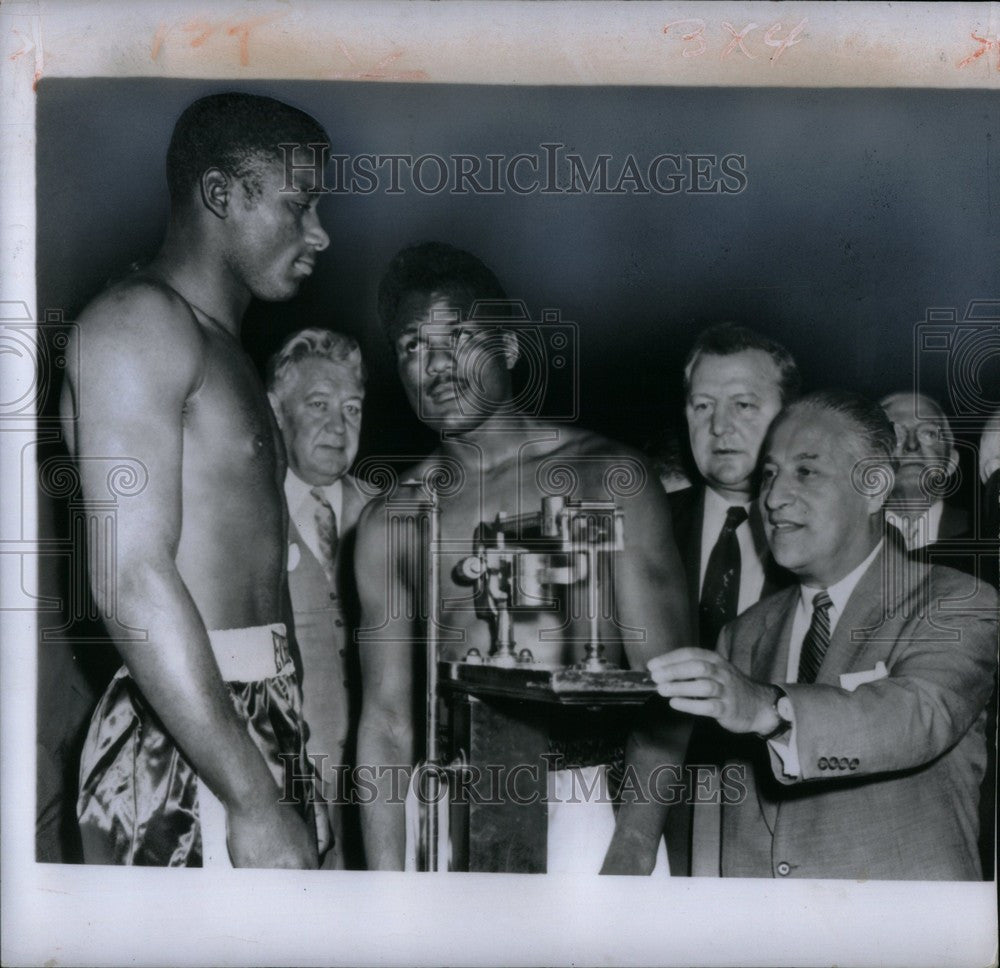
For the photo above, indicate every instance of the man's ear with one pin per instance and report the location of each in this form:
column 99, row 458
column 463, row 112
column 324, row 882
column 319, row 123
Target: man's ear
column 511, row 353
column 276, row 407
column 216, row 191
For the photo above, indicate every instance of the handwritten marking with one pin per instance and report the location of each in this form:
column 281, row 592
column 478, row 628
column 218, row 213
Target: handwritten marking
column 697, row 35
column 737, row 40
column 790, row 41
column 204, row 29
column 986, row 45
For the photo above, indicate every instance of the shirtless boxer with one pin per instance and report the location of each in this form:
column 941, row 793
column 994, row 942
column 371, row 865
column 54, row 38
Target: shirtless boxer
column 501, row 455
column 200, row 550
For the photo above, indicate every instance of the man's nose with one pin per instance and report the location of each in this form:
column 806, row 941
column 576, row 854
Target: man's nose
column 777, row 492
column 316, row 237
column 722, row 421
column 334, row 422
column 438, row 359
column 910, row 441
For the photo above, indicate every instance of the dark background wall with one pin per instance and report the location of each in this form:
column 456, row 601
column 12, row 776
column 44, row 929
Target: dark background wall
column 863, row 208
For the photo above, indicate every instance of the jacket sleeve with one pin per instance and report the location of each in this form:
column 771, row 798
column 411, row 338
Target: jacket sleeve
column 940, row 677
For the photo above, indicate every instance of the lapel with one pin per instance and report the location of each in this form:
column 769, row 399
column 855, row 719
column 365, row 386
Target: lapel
column 692, row 550
column 769, row 658
column 877, row 596
column 353, row 503
column 687, row 509
column 295, row 538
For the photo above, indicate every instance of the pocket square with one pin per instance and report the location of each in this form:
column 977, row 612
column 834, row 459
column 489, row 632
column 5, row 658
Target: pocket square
column 851, row 680
column 294, row 556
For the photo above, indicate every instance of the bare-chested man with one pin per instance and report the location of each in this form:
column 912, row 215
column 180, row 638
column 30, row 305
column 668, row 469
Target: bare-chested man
column 183, row 759
column 459, row 383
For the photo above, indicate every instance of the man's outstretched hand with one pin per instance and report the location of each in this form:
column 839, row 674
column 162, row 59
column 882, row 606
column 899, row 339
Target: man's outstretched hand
column 703, row 683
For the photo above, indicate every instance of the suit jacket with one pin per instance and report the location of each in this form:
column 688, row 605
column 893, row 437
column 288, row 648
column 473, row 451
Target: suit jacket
column 687, row 508
column 321, row 619
column 890, row 772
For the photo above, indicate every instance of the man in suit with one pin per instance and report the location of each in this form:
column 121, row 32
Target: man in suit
column 855, row 699
column 316, row 385
column 736, row 381
column 927, row 459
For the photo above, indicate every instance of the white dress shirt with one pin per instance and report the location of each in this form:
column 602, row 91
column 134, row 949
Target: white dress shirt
column 751, row 568
column 919, row 528
column 839, row 593
column 302, row 508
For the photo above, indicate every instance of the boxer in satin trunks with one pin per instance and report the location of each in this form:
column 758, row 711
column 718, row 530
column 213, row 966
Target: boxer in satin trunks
column 140, row 800
column 183, row 761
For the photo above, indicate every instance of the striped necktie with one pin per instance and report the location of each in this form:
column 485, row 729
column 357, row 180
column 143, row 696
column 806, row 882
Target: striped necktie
column 326, row 531
column 817, row 639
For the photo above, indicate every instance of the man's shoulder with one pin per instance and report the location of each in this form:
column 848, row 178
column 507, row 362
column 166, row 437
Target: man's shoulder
column 957, row 587
column 141, row 313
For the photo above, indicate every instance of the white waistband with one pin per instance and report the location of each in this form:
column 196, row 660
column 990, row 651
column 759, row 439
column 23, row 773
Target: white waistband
column 246, row 655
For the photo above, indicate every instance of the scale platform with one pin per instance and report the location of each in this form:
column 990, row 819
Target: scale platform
column 562, row 685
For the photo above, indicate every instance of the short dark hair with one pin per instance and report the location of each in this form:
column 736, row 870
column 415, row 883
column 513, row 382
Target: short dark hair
column 872, row 426
column 234, row 132
column 434, row 268
column 727, row 339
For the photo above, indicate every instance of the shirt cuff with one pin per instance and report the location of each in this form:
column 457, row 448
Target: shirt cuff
column 785, row 746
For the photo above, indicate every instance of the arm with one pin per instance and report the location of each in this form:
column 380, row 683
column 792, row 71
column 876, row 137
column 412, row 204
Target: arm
column 385, row 647
column 933, row 693
column 651, row 595
column 140, row 358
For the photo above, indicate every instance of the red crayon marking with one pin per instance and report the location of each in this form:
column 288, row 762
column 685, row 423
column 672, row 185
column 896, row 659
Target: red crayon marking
column 790, row 41
column 242, row 30
column 737, row 40
column 158, row 38
column 986, row 45
column 696, row 34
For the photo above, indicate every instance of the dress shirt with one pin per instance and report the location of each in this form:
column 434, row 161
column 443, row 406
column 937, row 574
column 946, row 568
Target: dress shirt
column 751, row 569
column 302, row 508
column 839, row 594
column 919, row 528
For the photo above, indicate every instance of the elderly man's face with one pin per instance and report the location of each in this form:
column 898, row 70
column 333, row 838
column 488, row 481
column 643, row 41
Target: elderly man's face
column 818, row 523
column 456, row 375
column 731, row 403
column 319, row 414
column 925, row 453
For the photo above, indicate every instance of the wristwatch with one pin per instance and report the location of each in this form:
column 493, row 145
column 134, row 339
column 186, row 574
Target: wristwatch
column 783, row 710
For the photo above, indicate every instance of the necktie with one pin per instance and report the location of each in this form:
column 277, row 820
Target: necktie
column 326, row 530
column 720, row 594
column 817, row 639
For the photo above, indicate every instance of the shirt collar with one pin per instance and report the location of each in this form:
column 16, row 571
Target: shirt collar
column 297, row 491
column 841, row 591
column 716, row 507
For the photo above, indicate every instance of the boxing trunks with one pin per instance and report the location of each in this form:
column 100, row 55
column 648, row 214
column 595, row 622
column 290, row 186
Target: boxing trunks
column 141, row 801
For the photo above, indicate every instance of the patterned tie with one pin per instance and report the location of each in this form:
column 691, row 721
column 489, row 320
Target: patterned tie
column 817, row 639
column 326, row 530
column 720, row 594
